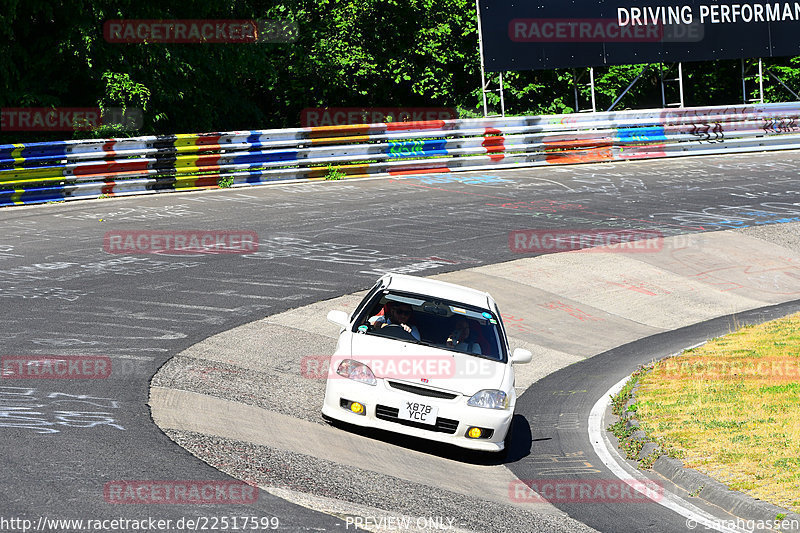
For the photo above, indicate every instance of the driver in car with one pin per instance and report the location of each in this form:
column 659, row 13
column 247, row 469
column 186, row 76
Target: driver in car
column 463, row 338
column 396, row 314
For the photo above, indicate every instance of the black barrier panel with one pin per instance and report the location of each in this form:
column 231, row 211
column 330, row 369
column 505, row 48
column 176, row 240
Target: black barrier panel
column 532, row 35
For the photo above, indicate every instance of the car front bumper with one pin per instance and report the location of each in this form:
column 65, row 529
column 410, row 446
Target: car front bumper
column 382, row 402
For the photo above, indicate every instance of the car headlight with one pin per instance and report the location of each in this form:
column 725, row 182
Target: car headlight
column 356, row 371
column 489, row 399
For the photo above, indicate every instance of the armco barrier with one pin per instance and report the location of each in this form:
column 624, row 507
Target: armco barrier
column 69, row 170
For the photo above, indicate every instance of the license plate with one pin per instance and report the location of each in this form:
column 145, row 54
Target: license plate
column 418, row 412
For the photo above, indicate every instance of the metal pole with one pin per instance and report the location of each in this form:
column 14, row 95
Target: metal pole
column 480, row 47
column 744, row 86
column 591, row 81
column 661, row 76
column 628, row 88
column 776, row 78
column 760, row 82
column 575, row 88
column 483, row 91
column 680, row 81
column 502, row 98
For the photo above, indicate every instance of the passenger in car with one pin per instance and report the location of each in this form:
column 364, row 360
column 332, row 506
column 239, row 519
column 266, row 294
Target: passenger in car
column 396, row 313
column 463, row 338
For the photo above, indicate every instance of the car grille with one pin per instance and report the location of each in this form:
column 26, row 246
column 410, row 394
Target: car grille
column 443, row 425
column 422, row 391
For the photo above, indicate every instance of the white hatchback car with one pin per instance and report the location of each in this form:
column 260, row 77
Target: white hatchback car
column 425, row 358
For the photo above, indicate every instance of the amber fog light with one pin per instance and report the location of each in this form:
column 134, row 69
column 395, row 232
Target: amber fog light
column 355, row 407
column 474, row 433
column 479, row 433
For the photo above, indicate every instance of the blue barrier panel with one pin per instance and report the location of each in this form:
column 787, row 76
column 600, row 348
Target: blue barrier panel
column 639, row 135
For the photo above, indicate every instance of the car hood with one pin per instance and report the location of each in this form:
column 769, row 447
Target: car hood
column 424, row 365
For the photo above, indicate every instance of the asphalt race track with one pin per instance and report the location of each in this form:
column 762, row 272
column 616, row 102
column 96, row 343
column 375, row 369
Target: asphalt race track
column 65, row 294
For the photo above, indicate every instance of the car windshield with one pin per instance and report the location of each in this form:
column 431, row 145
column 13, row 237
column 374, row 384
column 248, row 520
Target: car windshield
column 439, row 323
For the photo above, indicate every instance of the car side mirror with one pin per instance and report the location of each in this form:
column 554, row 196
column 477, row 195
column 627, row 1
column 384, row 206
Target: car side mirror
column 520, row 356
column 339, row 318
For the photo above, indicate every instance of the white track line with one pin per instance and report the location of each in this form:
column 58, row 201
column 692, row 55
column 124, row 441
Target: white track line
column 602, row 447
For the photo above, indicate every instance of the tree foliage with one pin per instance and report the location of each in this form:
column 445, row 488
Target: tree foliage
column 382, row 53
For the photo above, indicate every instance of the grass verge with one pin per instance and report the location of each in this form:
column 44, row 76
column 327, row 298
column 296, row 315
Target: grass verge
column 731, row 409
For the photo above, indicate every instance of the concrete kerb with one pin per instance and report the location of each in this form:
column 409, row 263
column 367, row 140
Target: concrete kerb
column 713, row 491
column 758, row 272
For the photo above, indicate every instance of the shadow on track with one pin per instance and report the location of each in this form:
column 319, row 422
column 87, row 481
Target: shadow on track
column 520, row 443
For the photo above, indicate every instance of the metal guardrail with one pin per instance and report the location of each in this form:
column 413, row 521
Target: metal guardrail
column 69, row 170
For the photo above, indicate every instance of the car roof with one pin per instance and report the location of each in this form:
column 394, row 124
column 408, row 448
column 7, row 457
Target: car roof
column 438, row 289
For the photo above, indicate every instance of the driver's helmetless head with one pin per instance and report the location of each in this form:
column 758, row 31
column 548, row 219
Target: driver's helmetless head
column 400, row 312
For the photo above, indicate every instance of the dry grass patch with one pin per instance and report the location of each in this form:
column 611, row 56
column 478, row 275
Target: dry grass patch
column 731, row 409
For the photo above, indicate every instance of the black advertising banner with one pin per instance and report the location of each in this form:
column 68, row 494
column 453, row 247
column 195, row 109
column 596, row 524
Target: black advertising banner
column 530, row 35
